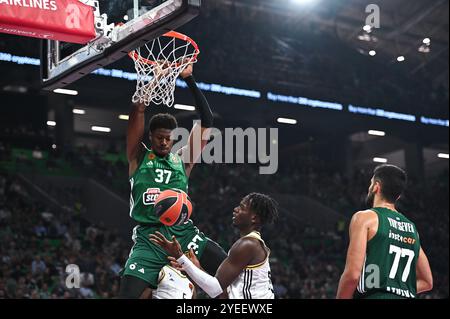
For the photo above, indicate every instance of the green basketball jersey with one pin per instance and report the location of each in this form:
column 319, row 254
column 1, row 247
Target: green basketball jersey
column 154, row 175
column 391, row 258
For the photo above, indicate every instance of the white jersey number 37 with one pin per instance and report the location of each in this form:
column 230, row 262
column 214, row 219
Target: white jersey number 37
column 163, row 176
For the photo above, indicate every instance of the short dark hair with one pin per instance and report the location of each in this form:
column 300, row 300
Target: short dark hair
column 164, row 121
column 263, row 206
column 393, row 181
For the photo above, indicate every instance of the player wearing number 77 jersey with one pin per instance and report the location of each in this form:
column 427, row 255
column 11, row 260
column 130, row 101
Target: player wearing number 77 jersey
column 384, row 259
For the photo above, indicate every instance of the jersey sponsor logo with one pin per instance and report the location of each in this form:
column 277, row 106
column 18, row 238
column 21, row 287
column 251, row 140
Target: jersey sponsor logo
column 402, row 239
column 142, row 271
column 151, row 156
column 150, row 196
column 150, row 164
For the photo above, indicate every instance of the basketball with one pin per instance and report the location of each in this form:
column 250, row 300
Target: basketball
column 173, row 207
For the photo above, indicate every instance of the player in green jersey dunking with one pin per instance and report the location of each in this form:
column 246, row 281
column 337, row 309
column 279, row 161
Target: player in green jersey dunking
column 151, row 171
column 384, row 259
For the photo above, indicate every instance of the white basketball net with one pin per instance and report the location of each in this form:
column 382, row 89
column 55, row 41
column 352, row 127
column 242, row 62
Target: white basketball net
column 158, row 65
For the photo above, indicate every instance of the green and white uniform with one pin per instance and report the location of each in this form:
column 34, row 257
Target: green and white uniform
column 389, row 271
column 154, row 175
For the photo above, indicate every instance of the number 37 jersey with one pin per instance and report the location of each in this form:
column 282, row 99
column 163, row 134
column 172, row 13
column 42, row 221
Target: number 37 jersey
column 154, row 175
column 391, row 258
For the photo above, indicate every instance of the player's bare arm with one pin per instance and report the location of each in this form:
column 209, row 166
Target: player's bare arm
column 362, row 228
column 193, row 258
column 423, row 273
column 135, row 134
column 191, row 153
column 240, row 256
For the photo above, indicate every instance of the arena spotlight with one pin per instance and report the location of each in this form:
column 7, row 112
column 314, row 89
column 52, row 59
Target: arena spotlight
column 65, row 91
column 124, row 117
column 51, row 123
column 367, row 28
column 424, row 48
column 286, row 121
column 101, row 129
column 184, row 107
column 372, row 53
column 377, row 133
column 401, row 58
column 443, row 155
column 303, row 1
column 380, row 160
column 15, row 88
column 78, row 111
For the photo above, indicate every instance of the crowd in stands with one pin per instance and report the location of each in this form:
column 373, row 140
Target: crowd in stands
column 37, row 245
column 36, row 242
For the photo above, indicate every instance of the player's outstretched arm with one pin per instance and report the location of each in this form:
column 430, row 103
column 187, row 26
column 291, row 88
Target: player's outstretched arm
column 135, row 134
column 191, row 255
column 355, row 255
column 424, row 274
column 239, row 257
column 191, row 152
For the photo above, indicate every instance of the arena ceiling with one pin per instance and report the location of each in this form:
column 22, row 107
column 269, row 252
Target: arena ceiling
column 404, row 24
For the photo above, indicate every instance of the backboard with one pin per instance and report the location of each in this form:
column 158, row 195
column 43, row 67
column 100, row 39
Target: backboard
column 121, row 26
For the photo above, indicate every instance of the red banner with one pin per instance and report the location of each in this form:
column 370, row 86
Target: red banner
column 63, row 20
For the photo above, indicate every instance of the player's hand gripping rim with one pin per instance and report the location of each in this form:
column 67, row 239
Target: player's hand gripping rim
column 188, row 70
column 172, row 248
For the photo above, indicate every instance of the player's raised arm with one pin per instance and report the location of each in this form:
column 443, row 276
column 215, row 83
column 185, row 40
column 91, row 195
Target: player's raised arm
column 191, row 151
column 424, row 274
column 355, row 254
column 135, row 134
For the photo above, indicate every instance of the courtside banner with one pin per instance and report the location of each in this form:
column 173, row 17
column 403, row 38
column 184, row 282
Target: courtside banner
column 63, row 20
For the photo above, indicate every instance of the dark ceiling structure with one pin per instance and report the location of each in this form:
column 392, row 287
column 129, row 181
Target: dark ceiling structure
column 404, row 24
column 313, row 48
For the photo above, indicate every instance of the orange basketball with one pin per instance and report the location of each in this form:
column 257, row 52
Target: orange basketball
column 173, row 207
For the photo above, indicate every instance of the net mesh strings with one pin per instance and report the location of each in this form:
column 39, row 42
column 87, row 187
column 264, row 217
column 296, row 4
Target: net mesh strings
column 156, row 81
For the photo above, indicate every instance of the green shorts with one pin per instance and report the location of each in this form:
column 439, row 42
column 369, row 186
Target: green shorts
column 147, row 259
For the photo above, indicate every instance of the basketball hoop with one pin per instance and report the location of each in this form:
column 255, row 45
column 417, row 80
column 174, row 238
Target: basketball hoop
column 158, row 65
